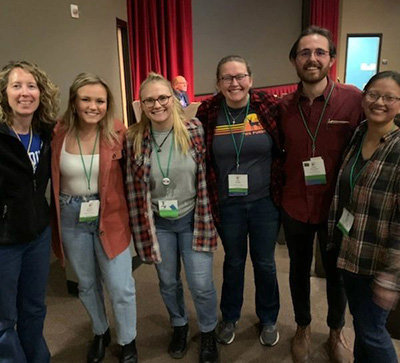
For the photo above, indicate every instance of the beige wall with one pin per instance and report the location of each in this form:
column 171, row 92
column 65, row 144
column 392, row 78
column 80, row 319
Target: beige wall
column 259, row 30
column 371, row 16
column 43, row 31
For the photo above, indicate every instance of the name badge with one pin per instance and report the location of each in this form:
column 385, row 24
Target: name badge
column 238, row 185
column 89, row 211
column 168, row 208
column 345, row 222
column 314, row 171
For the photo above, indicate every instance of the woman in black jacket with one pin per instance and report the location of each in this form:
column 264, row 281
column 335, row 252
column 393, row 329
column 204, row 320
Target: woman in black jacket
column 28, row 108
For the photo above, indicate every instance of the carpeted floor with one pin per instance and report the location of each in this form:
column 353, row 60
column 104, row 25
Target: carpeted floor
column 68, row 332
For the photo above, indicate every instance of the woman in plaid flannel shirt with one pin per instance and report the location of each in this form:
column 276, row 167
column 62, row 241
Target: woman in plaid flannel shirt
column 365, row 219
column 169, row 210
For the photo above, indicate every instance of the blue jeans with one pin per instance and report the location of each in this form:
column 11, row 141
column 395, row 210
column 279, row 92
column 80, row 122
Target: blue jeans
column 372, row 341
column 175, row 238
column 259, row 220
column 82, row 247
column 24, row 270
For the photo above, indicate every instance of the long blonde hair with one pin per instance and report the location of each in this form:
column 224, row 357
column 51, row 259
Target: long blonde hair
column 48, row 108
column 70, row 119
column 181, row 135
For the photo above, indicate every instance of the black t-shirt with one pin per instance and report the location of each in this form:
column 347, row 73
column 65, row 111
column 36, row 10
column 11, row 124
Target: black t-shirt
column 255, row 154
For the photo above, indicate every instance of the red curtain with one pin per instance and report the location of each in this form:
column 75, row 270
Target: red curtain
column 325, row 13
column 160, row 40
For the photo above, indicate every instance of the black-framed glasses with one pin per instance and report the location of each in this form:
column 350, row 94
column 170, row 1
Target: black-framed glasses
column 318, row 53
column 374, row 97
column 229, row 79
column 162, row 100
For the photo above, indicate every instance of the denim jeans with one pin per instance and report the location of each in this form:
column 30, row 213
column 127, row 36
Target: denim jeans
column 82, row 247
column 300, row 241
column 175, row 238
column 259, row 220
column 24, row 270
column 372, row 342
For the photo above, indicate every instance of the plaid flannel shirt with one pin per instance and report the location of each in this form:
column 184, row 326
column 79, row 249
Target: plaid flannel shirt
column 373, row 244
column 266, row 108
column 139, row 197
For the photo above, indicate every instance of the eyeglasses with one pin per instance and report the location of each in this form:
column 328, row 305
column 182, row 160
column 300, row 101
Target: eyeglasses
column 162, row 100
column 318, row 53
column 229, row 79
column 374, row 97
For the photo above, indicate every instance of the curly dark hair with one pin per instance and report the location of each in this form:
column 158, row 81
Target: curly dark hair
column 49, row 95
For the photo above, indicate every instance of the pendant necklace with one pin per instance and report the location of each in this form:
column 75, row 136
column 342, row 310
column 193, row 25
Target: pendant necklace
column 165, row 180
column 158, row 147
column 237, row 116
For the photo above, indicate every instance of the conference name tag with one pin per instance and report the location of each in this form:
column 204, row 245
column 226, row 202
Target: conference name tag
column 89, row 211
column 168, row 208
column 314, row 171
column 238, row 185
column 345, row 222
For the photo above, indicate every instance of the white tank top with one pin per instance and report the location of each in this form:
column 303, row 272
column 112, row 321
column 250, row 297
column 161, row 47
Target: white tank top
column 73, row 180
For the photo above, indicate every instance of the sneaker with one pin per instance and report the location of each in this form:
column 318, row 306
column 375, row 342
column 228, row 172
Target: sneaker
column 179, row 345
column 208, row 348
column 269, row 335
column 225, row 333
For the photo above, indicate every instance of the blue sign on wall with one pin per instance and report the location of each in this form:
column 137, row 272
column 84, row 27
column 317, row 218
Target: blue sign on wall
column 362, row 59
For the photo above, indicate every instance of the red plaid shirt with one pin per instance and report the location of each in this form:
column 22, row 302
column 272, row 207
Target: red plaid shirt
column 139, row 197
column 266, row 108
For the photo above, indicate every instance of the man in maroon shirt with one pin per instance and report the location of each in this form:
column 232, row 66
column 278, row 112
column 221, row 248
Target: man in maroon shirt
column 317, row 122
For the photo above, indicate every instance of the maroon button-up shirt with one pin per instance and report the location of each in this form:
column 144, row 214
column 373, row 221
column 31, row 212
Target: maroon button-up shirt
column 310, row 204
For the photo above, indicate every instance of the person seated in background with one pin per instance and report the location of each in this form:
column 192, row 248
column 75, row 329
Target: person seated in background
column 179, row 84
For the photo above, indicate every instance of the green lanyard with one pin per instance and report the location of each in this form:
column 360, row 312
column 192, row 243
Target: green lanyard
column 166, row 179
column 353, row 178
column 314, row 137
column 88, row 175
column 237, row 149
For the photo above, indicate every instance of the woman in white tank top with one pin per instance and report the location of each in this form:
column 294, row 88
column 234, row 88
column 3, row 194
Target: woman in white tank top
column 91, row 227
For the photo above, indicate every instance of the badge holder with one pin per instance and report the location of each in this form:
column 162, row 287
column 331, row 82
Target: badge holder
column 345, row 222
column 89, row 211
column 314, row 171
column 238, row 185
column 168, row 208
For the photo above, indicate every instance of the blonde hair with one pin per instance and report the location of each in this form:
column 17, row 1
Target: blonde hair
column 181, row 135
column 70, row 119
column 48, row 108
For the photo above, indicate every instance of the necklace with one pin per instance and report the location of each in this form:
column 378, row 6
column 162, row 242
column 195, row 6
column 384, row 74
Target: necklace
column 162, row 143
column 237, row 116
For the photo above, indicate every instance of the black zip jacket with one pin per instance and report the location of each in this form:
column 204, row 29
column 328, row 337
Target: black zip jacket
column 24, row 211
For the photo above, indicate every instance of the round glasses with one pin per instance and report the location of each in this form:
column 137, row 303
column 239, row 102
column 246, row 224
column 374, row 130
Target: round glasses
column 318, row 53
column 374, row 97
column 162, row 100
